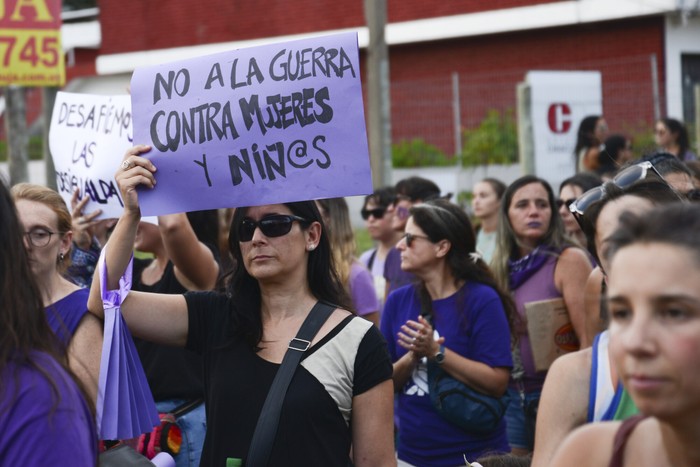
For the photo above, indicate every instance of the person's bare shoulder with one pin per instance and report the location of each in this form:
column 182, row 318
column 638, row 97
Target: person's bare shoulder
column 590, row 445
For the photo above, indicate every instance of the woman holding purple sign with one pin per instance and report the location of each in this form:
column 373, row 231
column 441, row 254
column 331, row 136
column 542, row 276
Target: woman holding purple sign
column 339, row 402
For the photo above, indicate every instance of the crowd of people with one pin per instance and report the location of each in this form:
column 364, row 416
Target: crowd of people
column 441, row 296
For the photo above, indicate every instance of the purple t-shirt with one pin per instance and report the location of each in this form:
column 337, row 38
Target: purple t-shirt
column 38, row 427
column 64, row 315
column 474, row 325
column 362, row 292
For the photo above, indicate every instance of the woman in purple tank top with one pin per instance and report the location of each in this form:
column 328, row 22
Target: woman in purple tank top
column 46, row 223
column 654, row 305
column 535, row 261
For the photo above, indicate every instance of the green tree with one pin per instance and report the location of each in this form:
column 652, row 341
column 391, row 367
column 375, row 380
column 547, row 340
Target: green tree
column 494, row 141
column 418, row 153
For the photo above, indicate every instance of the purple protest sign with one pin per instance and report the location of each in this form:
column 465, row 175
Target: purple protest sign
column 260, row 125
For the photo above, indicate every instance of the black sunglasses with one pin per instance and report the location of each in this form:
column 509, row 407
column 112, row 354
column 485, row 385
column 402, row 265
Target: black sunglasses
column 378, row 213
column 271, row 226
column 622, row 180
column 567, row 202
column 409, row 238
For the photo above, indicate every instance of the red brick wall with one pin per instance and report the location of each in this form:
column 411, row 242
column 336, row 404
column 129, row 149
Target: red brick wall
column 406, row 10
column 489, row 68
column 130, row 25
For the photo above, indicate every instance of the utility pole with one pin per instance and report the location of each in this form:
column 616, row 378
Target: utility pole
column 48, row 99
column 16, row 131
column 379, row 107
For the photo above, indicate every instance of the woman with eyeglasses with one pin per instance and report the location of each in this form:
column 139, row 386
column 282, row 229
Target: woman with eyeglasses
column 586, row 382
column 340, row 397
column 671, row 136
column 536, row 262
column 455, row 318
column 378, row 219
column 45, row 417
column 46, row 221
column 569, row 190
column 486, row 202
column 654, row 304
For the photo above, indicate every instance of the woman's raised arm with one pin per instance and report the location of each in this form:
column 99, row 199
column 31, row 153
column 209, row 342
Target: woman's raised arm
column 155, row 317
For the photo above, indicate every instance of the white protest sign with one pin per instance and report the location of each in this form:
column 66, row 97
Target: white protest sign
column 88, row 137
column 559, row 101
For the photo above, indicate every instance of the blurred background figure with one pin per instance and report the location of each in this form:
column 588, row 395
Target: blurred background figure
column 654, row 304
column 45, row 418
column 615, row 152
column 185, row 258
column 486, row 202
column 48, row 239
column 354, row 276
column 592, row 131
column 377, row 212
column 570, row 189
column 675, row 172
column 694, row 167
column 535, row 261
column 89, row 235
column 671, row 136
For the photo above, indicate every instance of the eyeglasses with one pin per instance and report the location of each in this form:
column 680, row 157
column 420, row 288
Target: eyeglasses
column 40, row 237
column 409, row 238
column 272, row 226
column 622, row 180
column 567, row 202
column 378, row 213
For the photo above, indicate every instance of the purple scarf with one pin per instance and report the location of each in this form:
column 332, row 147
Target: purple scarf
column 520, row 270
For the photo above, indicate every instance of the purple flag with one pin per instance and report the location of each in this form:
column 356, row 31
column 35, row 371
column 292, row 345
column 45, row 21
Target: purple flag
column 125, row 406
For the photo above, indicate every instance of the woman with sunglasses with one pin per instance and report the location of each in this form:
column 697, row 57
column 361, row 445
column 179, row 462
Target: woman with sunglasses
column 455, row 317
column 654, row 305
column 409, row 192
column 486, row 202
column 46, row 221
column 45, row 418
column 340, row 397
column 569, row 190
column 378, row 219
column 535, row 261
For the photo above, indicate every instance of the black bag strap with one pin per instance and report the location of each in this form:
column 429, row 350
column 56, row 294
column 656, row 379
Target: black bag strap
column 266, row 428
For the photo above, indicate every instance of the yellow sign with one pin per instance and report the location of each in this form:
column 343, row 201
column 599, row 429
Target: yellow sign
column 30, row 43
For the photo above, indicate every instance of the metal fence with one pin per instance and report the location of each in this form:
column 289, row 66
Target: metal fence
column 439, row 109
